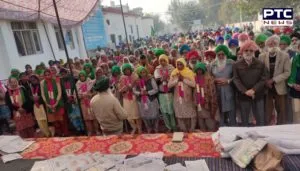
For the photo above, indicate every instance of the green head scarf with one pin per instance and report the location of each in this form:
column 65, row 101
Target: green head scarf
column 82, row 73
column 224, row 49
column 140, row 69
column 158, row 51
column 116, row 69
column 15, row 73
column 285, row 39
column 126, row 66
column 261, row 38
column 102, row 84
column 91, row 75
column 200, row 65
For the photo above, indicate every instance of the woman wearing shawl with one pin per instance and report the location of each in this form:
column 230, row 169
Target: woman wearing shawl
column 127, row 82
column 52, row 96
column 71, row 106
column 182, row 78
column 145, row 91
column 105, row 69
column 84, row 86
column 19, row 102
column 114, row 81
column 4, row 111
column 221, row 70
column 294, row 83
column 99, row 73
column 38, row 105
column 89, row 70
column 205, row 98
column 165, row 96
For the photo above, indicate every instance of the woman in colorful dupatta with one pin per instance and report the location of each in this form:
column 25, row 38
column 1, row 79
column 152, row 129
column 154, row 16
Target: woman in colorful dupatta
column 52, row 96
column 38, row 105
column 162, row 75
column 71, row 105
column 84, row 86
column 182, row 78
column 205, row 98
column 127, row 82
column 18, row 100
column 146, row 90
column 89, row 70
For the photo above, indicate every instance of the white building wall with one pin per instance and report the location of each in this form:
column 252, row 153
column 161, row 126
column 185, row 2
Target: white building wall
column 117, row 27
column 147, row 23
column 10, row 57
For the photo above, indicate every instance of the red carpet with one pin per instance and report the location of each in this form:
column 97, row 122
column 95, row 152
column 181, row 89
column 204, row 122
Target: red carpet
column 195, row 145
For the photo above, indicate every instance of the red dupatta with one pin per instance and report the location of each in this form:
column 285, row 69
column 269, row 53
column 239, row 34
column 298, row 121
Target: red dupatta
column 144, row 96
column 165, row 74
column 128, row 81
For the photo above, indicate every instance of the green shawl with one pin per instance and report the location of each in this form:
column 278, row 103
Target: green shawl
column 55, row 94
column 295, row 66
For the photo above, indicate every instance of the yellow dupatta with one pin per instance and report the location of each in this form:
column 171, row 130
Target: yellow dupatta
column 186, row 72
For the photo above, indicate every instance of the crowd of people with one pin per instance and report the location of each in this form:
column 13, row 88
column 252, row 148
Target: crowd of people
column 199, row 80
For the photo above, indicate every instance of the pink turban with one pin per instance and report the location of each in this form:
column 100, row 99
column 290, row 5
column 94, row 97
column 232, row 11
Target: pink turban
column 243, row 37
column 249, row 44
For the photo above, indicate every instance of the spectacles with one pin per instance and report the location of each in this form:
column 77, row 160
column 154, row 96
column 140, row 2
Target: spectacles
column 248, row 50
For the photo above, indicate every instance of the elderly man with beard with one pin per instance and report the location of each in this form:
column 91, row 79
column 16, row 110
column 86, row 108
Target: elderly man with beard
column 249, row 77
column 295, row 41
column 278, row 65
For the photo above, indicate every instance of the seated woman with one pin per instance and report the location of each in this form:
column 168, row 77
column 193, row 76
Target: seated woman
column 107, row 109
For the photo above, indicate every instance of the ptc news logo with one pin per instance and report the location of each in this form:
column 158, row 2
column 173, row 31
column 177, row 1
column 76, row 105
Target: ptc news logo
column 277, row 16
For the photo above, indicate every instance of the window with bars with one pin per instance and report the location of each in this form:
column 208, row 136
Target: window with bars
column 27, row 38
column 59, row 38
column 70, row 39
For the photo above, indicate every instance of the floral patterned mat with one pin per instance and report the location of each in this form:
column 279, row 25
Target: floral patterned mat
column 194, row 145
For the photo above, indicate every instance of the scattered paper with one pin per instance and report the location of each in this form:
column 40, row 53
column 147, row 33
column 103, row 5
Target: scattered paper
column 175, row 167
column 11, row 157
column 196, row 165
column 13, row 144
column 178, row 136
column 157, row 155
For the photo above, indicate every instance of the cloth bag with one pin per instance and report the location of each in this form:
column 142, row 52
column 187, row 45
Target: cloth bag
column 269, row 159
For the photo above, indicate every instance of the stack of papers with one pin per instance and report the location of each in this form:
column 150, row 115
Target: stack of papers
column 13, row 144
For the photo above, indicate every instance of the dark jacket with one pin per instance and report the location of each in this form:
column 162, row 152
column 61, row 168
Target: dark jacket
column 247, row 77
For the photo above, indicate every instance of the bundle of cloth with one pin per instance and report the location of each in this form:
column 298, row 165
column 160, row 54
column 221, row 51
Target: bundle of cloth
column 285, row 137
